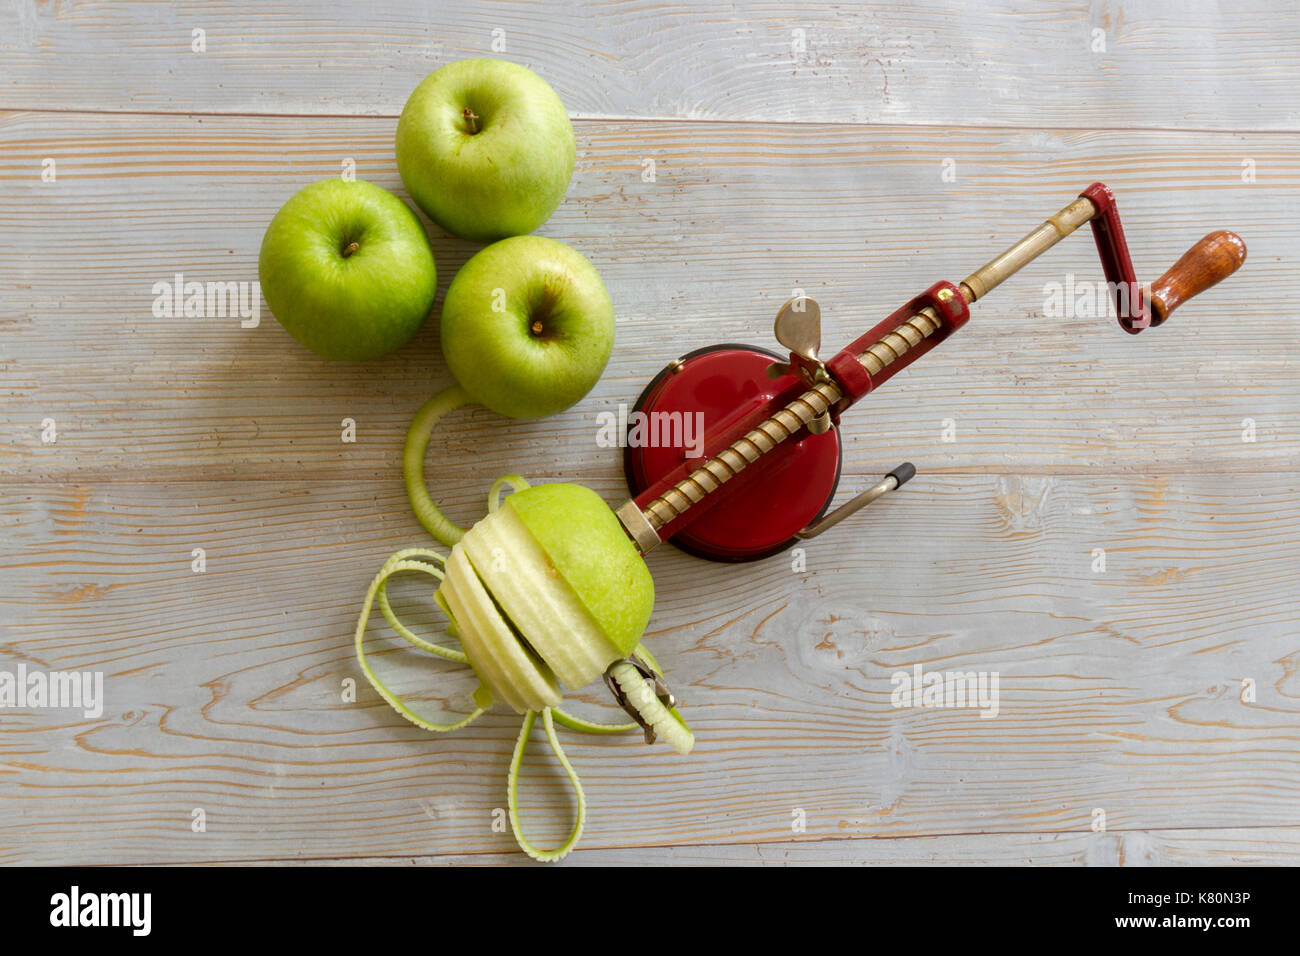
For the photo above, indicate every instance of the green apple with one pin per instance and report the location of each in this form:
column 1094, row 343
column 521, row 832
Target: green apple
column 548, row 586
column 585, row 541
column 347, row 269
column 485, row 148
column 527, row 326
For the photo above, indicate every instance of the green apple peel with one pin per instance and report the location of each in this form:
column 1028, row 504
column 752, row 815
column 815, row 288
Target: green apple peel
column 544, row 593
column 417, row 443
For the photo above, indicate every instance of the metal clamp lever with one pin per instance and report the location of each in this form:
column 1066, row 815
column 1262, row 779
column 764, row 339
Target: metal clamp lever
column 661, row 691
column 899, row 476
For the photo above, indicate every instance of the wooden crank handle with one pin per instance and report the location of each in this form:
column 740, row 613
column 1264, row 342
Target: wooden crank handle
column 1211, row 260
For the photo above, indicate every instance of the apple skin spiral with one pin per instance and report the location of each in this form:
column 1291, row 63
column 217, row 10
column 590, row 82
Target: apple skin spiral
column 545, row 592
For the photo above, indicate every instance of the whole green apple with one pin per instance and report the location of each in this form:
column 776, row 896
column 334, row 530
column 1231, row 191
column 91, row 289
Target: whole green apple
column 485, row 148
column 527, row 326
column 347, row 269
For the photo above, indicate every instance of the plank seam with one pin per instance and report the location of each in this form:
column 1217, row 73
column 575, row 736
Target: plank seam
column 617, row 118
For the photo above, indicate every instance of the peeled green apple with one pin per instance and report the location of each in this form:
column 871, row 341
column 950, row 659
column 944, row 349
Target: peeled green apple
column 347, row 269
column 565, row 580
column 527, row 326
column 485, row 148
column 545, row 594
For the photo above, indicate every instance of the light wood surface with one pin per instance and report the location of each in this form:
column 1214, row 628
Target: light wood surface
column 1155, row 64
column 1135, row 848
column 1121, row 690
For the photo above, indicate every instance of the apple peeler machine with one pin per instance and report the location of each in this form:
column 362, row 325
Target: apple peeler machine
column 771, row 447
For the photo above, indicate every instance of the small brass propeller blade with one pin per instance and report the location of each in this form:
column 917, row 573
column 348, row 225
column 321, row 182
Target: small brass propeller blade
column 799, row 327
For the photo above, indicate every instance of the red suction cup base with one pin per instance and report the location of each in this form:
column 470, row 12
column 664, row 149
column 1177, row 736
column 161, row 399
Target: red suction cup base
column 756, row 513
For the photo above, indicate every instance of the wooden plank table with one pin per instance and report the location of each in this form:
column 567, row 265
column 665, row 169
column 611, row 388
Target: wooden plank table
column 858, row 153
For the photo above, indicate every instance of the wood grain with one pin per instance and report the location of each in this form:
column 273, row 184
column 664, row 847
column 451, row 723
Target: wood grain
column 1119, row 690
column 1205, row 847
column 1159, row 64
column 738, row 217
column 858, row 153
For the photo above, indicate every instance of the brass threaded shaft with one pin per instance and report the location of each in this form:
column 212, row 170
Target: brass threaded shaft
column 742, row 452
column 784, row 422
column 893, row 345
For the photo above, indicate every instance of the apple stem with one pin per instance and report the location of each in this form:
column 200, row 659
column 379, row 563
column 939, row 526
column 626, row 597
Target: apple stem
column 536, row 328
column 350, row 248
column 472, row 119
